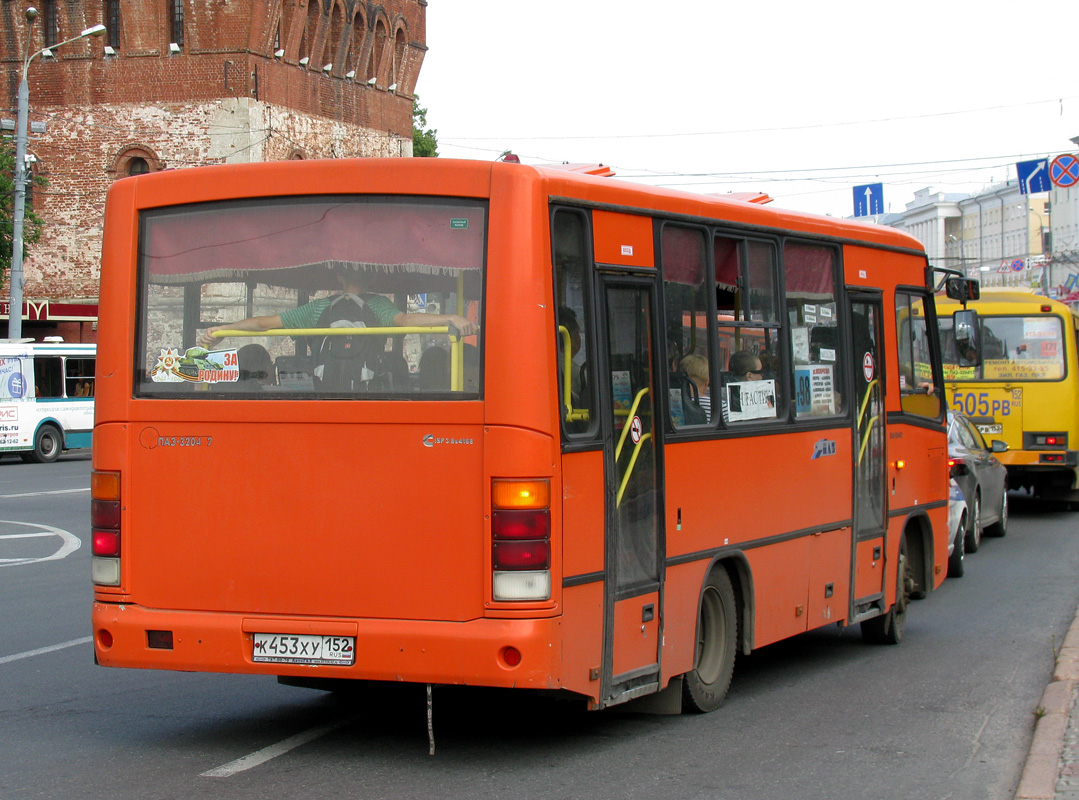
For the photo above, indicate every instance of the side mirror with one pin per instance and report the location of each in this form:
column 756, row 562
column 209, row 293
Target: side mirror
column 967, row 338
column 962, row 289
column 999, row 446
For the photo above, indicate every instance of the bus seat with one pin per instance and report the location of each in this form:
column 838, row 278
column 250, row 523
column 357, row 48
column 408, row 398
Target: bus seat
column 692, row 412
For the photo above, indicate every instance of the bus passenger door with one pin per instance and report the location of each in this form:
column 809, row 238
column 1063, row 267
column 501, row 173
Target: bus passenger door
column 870, row 466
column 633, row 541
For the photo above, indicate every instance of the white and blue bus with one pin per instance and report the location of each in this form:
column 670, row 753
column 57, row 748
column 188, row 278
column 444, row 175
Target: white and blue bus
column 46, row 397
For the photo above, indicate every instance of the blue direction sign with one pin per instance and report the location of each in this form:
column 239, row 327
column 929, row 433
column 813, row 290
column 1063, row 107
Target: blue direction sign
column 1064, row 171
column 869, row 199
column 1033, row 176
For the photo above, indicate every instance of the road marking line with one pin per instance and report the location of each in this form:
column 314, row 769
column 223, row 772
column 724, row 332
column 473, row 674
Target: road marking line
column 42, row 650
column 39, row 494
column 71, row 543
column 25, row 535
column 274, row 750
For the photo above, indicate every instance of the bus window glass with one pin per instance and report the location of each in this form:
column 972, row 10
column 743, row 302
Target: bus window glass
column 811, row 310
column 80, row 377
column 48, row 377
column 917, row 392
column 684, row 286
column 570, row 254
column 748, row 332
column 761, row 281
column 274, row 297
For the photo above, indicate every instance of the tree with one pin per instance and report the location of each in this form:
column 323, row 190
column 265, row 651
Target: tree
column 32, row 224
column 424, row 142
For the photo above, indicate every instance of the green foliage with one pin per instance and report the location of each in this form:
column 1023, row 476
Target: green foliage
column 424, row 140
column 32, row 224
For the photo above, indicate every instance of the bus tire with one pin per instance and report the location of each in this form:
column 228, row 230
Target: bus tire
column 47, row 445
column 889, row 628
column 706, row 685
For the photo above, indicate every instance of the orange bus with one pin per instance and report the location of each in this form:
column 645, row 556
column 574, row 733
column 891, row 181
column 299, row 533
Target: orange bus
column 517, row 486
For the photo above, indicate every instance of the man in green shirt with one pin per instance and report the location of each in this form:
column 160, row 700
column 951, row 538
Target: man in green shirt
column 307, row 316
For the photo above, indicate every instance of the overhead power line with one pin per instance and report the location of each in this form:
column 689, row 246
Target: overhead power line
column 780, row 128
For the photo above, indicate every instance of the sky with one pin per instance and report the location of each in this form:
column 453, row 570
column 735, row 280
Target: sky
column 800, row 100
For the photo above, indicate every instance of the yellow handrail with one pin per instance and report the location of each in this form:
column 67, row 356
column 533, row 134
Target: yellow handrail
column 865, row 400
column 457, row 381
column 631, row 414
column 567, row 358
column 629, row 468
column 865, row 438
column 392, row 331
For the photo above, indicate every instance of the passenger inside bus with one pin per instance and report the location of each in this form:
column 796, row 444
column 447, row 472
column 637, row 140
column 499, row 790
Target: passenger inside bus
column 434, row 371
column 745, row 366
column 374, row 310
column 695, row 366
column 256, row 367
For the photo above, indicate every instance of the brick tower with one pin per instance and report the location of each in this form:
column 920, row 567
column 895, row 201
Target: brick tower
column 178, row 83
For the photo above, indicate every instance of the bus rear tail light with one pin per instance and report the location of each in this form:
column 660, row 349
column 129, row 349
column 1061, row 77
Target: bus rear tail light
column 105, row 528
column 1047, row 440
column 521, row 539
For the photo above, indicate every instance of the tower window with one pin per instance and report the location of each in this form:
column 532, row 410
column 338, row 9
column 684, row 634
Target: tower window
column 176, row 17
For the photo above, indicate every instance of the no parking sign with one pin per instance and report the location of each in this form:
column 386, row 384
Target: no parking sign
column 1064, row 171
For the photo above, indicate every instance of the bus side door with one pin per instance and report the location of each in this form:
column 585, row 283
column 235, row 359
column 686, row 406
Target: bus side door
column 869, row 452
column 634, row 548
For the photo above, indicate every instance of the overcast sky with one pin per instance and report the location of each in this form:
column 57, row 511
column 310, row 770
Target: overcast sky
column 801, row 100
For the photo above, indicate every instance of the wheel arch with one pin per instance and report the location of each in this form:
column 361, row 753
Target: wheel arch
column 741, row 576
column 918, row 531
column 52, row 422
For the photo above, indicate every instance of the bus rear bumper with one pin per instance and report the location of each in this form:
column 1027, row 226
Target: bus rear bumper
column 419, row 651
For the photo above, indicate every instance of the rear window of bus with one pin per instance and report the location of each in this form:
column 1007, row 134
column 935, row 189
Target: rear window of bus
column 340, row 265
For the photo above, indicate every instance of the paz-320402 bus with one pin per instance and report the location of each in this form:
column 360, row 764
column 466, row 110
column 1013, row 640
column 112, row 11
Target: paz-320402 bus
column 522, row 488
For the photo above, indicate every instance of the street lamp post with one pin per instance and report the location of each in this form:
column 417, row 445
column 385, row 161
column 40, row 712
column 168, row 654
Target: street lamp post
column 14, row 327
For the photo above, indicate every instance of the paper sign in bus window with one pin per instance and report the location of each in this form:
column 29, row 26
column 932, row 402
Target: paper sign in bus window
column 814, row 389
column 196, row 365
column 800, row 343
column 1040, row 328
column 621, row 389
column 678, row 416
column 751, row 400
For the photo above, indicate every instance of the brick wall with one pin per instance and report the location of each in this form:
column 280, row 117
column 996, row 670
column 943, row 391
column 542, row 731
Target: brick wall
column 254, row 80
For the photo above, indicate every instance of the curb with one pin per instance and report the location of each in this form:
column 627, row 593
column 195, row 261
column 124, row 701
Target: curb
column 1042, row 769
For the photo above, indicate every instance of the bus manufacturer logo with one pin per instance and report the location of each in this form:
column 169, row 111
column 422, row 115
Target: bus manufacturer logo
column 430, row 440
column 825, row 447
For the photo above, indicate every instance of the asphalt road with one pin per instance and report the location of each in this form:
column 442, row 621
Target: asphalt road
column 947, row 714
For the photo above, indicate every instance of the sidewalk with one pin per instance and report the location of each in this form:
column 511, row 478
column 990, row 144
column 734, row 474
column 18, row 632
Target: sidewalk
column 1052, row 768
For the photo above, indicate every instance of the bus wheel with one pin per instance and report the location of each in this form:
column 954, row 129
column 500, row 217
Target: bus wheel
column 47, row 446
column 705, row 687
column 889, row 628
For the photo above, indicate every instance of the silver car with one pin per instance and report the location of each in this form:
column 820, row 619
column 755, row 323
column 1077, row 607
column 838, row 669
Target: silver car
column 981, row 476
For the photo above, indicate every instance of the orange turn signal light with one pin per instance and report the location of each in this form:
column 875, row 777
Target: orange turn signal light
column 521, row 493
